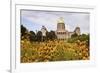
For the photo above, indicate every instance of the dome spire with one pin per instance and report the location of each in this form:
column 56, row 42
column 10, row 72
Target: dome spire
column 61, row 20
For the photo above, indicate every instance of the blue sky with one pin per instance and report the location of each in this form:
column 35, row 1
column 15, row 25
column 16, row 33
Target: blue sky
column 33, row 20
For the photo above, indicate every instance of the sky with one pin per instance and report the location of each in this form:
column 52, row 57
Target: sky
column 33, row 20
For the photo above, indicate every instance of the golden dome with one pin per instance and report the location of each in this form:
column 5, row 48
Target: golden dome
column 61, row 20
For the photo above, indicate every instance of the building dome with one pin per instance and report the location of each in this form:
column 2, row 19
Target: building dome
column 77, row 30
column 77, row 27
column 61, row 24
column 43, row 30
column 61, row 20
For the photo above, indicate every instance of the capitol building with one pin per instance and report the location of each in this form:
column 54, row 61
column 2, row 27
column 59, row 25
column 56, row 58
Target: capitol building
column 61, row 32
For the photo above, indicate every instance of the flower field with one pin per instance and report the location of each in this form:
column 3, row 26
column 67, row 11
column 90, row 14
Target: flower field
column 56, row 50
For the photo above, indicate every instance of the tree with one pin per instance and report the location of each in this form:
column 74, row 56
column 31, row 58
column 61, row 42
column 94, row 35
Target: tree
column 24, row 33
column 83, row 37
column 51, row 35
column 32, row 36
column 74, row 35
column 88, row 40
column 23, row 30
column 39, row 36
column 47, row 35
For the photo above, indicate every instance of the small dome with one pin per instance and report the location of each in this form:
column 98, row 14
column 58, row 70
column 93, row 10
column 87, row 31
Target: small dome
column 61, row 20
column 77, row 27
column 43, row 27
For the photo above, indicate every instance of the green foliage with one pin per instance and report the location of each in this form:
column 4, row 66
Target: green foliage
column 32, row 36
column 82, row 37
column 39, row 36
column 23, row 30
column 74, row 35
column 24, row 33
column 51, row 35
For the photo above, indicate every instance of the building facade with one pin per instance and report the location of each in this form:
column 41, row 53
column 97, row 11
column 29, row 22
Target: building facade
column 63, row 33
